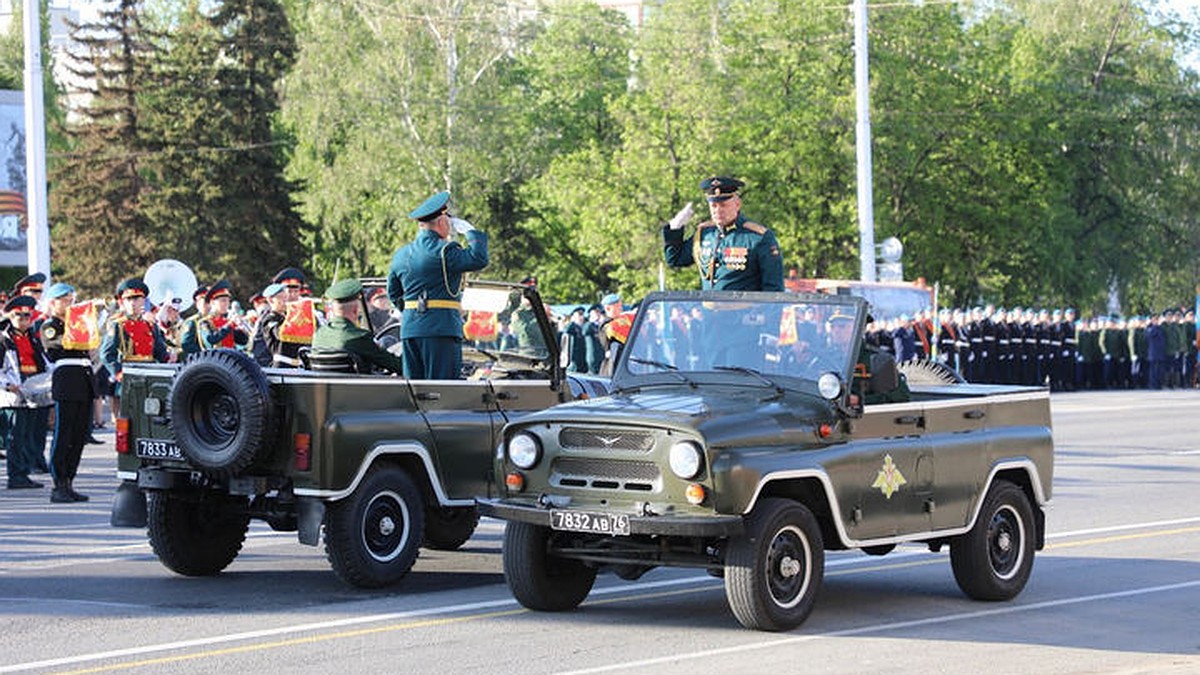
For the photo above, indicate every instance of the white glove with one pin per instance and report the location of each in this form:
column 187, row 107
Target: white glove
column 681, row 218
column 461, row 226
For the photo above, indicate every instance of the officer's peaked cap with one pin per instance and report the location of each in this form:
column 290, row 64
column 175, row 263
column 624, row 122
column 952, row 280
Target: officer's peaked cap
column 34, row 280
column 220, row 289
column 720, row 188
column 132, row 286
column 431, row 208
column 288, row 274
column 20, row 301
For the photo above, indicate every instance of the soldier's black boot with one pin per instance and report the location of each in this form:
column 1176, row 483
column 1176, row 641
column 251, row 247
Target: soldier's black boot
column 61, row 494
column 76, row 496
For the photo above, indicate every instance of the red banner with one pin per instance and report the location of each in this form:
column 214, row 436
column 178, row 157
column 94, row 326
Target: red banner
column 480, row 326
column 299, row 324
column 83, row 329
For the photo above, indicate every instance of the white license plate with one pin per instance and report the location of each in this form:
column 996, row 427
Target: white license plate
column 595, row 523
column 150, row 448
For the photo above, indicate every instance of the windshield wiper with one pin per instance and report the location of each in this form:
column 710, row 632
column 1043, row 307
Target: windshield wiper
column 668, row 367
column 750, row 371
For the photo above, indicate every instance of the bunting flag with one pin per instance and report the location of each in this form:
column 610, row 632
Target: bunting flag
column 12, row 203
column 83, row 327
column 787, row 326
column 480, row 326
column 299, row 324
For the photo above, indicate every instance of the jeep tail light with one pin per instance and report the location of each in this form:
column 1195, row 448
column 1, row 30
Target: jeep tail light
column 301, row 448
column 514, row 481
column 122, row 439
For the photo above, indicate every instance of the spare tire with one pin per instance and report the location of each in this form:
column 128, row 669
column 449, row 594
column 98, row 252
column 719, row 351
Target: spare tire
column 220, row 411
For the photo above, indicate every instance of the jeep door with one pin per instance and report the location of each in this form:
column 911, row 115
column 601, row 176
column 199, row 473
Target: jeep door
column 895, row 476
column 462, row 416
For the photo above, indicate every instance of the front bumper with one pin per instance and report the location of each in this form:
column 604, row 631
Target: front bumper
column 716, row 526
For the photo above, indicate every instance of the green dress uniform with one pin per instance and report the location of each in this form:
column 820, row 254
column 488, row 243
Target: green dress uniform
column 425, row 280
column 341, row 334
column 741, row 256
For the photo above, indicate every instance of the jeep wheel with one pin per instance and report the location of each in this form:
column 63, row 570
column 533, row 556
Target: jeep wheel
column 993, row 560
column 774, row 570
column 373, row 536
column 220, row 411
column 198, row 534
column 446, row 529
column 538, row 580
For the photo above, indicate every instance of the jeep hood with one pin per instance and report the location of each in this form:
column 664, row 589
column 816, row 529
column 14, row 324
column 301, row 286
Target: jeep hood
column 723, row 416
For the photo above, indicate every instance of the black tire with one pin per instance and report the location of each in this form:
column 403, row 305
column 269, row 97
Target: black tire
column 924, row 371
column 447, row 529
column 993, row 560
column 220, row 411
column 372, row 537
column 538, row 580
column 773, row 572
column 198, row 534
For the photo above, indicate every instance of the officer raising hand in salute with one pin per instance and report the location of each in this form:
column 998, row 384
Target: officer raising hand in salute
column 733, row 253
column 425, row 280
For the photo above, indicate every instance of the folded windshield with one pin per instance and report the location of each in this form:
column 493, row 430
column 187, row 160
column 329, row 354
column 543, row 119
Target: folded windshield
column 786, row 338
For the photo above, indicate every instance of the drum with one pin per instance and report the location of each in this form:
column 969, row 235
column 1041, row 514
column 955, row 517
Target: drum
column 37, row 391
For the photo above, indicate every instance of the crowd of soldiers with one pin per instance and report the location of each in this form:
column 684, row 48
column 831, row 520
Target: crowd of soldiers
column 1050, row 347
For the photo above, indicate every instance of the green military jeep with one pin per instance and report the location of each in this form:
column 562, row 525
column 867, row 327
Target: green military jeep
column 736, row 439
column 382, row 464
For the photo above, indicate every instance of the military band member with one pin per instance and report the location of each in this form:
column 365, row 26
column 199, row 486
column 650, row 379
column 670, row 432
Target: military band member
column 130, row 338
column 732, row 253
column 219, row 329
column 425, row 280
column 23, row 358
column 73, row 391
column 189, row 332
column 32, row 285
column 266, row 346
column 343, row 333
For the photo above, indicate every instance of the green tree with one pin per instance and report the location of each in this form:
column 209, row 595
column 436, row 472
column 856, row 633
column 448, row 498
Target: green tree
column 219, row 196
column 99, row 233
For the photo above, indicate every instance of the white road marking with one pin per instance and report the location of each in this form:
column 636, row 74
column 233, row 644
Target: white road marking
column 882, row 627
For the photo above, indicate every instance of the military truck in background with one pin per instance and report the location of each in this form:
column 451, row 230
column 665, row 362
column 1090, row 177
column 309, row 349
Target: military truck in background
column 737, row 440
column 380, row 465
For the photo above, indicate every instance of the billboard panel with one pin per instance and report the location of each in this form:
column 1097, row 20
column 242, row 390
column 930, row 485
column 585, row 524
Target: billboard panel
column 14, row 244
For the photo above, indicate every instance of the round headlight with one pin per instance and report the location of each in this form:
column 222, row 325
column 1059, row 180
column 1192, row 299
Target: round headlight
column 686, row 459
column 829, row 385
column 524, row 450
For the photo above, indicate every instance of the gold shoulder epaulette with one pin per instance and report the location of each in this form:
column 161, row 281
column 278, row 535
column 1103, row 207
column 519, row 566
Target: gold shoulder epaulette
column 754, row 227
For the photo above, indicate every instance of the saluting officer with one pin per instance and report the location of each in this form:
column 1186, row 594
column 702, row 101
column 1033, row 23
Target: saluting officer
column 733, row 253
column 343, row 333
column 425, row 280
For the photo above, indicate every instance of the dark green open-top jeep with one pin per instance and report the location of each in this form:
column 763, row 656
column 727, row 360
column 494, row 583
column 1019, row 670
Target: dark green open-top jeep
column 383, row 464
column 744, row 434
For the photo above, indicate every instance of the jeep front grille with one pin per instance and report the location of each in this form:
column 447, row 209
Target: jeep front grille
column 605, row 474
column 602, row 439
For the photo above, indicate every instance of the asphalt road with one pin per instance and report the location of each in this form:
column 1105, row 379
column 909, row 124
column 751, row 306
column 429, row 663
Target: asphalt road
column 1117, row 590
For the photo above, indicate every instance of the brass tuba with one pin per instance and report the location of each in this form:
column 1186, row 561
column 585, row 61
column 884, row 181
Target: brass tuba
column 170, row 281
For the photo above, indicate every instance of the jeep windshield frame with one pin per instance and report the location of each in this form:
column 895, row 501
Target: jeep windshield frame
column 718, row 337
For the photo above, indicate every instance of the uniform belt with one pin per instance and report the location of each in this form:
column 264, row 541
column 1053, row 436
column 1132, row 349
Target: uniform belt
column 73, row 362
column 434, row 304
column 989, row 338
column 286, row 361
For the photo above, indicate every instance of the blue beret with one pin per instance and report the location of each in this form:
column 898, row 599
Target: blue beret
column 611, row 299
column 273, row 290
column 344, row 289
column 431, row 207
column 59, row 290
column 720, row 188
